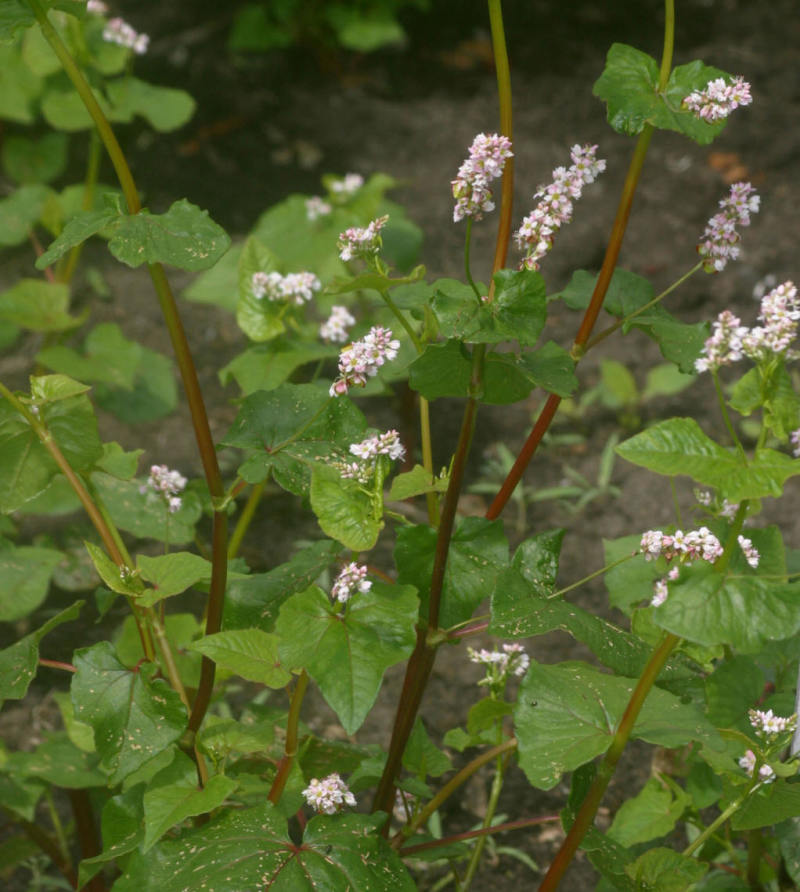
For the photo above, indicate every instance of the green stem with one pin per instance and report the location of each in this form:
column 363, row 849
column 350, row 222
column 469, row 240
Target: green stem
column 607, row 332
column 398, row 313
column 290, row 746
column 600, row 572
column 58, row 826
column 467, row 272
column 180, row 345
column 725, row 416
column 431, row 500
column 245, row 519
column 589, row 806
column 65, row 271
column 755, row 848
column 455, row 782
column 494, row 796
column 720, row 820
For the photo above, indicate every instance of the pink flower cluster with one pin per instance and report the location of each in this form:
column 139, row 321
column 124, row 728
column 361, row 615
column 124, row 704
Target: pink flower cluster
column 718, row 99
column 719, row 242
column 794, row 437
column 699, row 544
column 535, row 235
column 366, row 242
column 750, row 551
column 317, row 207
column 167, row 484
column 730, row 340
column 117, row 30
column 296, row 287
column 352, row 578
column 329, row 795
column 367, row 452
column 362, row 359
column 487, row 157
column 769, row 725
column 511, row 660
column 334, row 329
column 748, row 762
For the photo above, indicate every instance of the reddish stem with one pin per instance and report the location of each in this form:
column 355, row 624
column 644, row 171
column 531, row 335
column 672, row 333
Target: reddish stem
column 473, row 834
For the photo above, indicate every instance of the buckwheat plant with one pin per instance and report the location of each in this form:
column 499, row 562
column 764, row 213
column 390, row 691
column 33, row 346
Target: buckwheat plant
column 187, row 754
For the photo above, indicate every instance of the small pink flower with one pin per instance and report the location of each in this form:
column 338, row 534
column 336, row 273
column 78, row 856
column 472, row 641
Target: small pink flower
column 487, row 157
column 718, row 99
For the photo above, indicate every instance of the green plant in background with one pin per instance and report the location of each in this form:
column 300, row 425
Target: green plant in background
column 358, row 25
column 169, row 776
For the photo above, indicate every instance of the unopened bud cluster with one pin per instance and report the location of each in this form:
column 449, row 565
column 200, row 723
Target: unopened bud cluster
column 362, row 359
column 364, row 243
column 352, row 578
column 329, row 795
column 730, row 341
column 719, row 242
column 487, row 157
column 167, row 484
column 748, row 763
column 117, row 30
column 535, row 235
column 726, row 509
column 297, row 288
column 718, row 99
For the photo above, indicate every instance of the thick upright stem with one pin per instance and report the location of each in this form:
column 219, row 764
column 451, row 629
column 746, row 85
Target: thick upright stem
column 290, row 746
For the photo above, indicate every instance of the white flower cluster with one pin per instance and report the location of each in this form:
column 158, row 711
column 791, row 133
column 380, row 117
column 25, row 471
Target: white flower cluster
column 97, row 7
column 535, row 235
column 334, row 329
column 362, row 359
column 748, row 763
column 329, row 795
column 699, row 544
column 750, row 551
column 719, row 242
column 511, row 660
column 730, row 340
column 352, row 578
column 487, row 158
column 348, row 185
column 117, row 30
column 769, row 725
column 167, row 484
column 366, row 242
column 718, row 98
column 296, row 287
column 367, row 452
column 317, row 207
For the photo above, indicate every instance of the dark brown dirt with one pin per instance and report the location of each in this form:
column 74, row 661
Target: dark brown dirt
column 269, row 125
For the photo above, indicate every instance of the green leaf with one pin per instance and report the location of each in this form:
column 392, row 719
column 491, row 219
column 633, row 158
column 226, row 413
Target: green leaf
column 118, row 463
column 788, row 834
column 38, row 306
column 344, row 510
column 652, row 813
column 265, row 366
column 629, row 87
column 551, row 368
column 122, row 825
column 666, row 870
column 679, row 446
column 75, row 232
column 63, row 108
column 146, row 516
column 20, row 796
column 770, row 805
column 259, row 318
column 218, row 285
column 365, row 30
column 110, row 573
column 347, row 654
column 134, row 716
column 19, row 86
column 35, row 160
column 49, row 388
column 632, row 581
column 163, row 107
column 743, row 612
column 20, row 211
column 338, row 852
column 422, row 757
column 173, row 795
column 256, row 600
column 184, row 236
column 416, row 482
column 171, row 574
column 19, row 663
column 250, row 653
column 60, row 763
column 735, row 686
column 516, row 313
column 26, row 572
column 478, row 553
column 568, row 713
column 16, row 14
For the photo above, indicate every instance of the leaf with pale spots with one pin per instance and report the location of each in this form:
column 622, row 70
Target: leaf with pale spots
column 134, row 716
column 251, row 849
column 19, row 662
column 568, row 713
column 174, row 795
column 347, row 653
column 250, row 653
